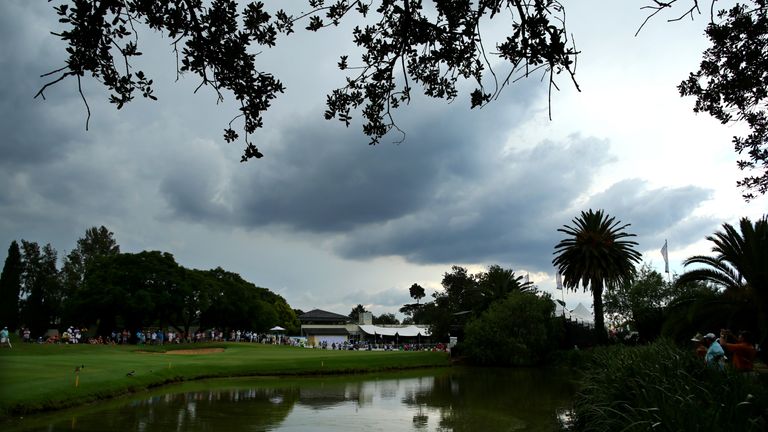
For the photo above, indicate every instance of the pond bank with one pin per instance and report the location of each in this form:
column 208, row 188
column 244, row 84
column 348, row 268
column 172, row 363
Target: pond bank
column 35, row 378
column 448, row 399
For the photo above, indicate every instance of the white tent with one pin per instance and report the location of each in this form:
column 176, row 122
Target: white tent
column 277, row 328
column 407, row 331
column 581, row 313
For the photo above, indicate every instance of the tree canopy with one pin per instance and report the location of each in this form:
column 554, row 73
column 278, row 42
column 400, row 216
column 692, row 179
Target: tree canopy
column 402, row 44
column 99, row 285
column 732, row 84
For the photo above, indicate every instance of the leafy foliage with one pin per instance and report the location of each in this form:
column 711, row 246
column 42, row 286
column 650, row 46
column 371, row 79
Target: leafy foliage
column 236, row 303
column 596, row 254
column 40, row 290
column 209, row 41
column 464, row 297
column 645, row 292
column 519, row 330
column 386, row 319
column 417, row 292
column 403, row 42
column 96, row 243
column 99, row 285
column 732, row 84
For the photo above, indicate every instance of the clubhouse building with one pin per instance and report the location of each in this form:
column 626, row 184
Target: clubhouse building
column 320, row 326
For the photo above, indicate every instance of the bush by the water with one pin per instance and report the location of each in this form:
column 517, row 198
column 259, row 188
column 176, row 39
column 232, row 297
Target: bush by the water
column 517, row 331
column 661, row 387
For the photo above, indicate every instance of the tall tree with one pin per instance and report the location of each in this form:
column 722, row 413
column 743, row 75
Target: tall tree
column 740, row 262
column 41, row 287
column 10, row 287
column 461, row 289
column 97, row 242
column 646, row 291
column 595, row 254
column 417, row 292
column 129, row 291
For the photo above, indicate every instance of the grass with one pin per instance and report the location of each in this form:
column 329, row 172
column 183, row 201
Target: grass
column 42, row 377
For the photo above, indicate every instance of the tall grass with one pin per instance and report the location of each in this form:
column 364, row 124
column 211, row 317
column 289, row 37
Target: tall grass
column 661, row 387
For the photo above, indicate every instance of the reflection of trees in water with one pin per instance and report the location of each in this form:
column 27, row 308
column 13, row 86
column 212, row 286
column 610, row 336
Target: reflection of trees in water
column 324, row 396
column 236, row 409
column 495, row 399
column 364, row 393
column 450, row 400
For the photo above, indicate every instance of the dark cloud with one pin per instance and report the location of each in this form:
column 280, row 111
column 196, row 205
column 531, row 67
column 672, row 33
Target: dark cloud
column 656, row 214
column 512, row 217
column 390, row 300
column 320, row 177
column 507, row 215
column 36, row 130
column 451, row 193
column 159, row 176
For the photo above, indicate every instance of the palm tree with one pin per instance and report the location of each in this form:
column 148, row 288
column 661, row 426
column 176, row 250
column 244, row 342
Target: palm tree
column 596, row 254
column 740, row 264
column 498, row 282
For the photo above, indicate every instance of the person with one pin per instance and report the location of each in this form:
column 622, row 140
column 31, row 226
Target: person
column 742, row 352
column 5, row 338
column 701, row 350
column 715, row 354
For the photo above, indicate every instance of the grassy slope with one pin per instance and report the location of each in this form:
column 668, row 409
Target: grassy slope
column 40, row 377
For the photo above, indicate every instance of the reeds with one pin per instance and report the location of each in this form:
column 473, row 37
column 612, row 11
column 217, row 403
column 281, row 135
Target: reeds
column 661, row 387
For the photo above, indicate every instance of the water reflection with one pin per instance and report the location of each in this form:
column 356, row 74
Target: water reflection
column 455, row 399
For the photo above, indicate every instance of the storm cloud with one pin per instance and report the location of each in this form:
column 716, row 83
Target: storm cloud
column 324, row 218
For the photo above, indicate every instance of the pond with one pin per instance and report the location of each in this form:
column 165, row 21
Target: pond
column 451, row 399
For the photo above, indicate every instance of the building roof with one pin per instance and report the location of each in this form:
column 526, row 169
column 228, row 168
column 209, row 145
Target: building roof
column 324, row 331
column 318, row 315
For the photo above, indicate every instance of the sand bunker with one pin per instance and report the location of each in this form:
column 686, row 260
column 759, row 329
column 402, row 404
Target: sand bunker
column 187, row 351
column 196, row 351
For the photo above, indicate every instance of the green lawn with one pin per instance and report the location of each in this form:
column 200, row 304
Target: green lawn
column 40, row 377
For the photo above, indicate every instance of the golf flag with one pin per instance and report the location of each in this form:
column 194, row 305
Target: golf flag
column 666, row 257
column 559, row 281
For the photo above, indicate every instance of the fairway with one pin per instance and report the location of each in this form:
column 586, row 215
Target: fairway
column 42, row 377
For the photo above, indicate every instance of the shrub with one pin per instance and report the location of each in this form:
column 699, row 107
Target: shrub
column 517, row 331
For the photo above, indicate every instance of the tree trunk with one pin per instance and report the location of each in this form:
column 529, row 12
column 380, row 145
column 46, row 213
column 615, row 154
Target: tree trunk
column 597, row 297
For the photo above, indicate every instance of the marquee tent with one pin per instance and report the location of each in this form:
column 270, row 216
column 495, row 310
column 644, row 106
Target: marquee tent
column 580, row 313
column 409, row 331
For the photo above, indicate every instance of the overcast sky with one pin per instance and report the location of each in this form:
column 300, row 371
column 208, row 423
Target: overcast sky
column 328, row 221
